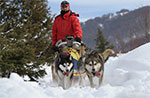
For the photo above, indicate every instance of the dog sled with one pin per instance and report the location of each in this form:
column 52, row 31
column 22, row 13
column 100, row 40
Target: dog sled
column 90, row 64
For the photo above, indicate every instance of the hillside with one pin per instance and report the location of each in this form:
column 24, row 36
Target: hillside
column 125, row 29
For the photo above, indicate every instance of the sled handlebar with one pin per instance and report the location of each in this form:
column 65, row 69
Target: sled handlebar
column 60, row 43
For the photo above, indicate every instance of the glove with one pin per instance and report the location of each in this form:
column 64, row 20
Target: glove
column 55, row 49
column 77, row 39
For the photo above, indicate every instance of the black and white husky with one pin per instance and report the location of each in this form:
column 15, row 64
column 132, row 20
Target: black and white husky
column 62, row 70
column 93, row 64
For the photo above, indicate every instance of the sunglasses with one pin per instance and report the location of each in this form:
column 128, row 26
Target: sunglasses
column 64, row 5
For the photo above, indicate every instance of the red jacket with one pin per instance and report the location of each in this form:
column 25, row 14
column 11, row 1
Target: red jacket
column 66, row 25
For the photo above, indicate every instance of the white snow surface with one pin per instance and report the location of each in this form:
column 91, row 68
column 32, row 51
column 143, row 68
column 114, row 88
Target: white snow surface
column 127, row 76
column 117, row 14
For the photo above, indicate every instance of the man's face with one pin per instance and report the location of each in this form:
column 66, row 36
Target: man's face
column 65, row 8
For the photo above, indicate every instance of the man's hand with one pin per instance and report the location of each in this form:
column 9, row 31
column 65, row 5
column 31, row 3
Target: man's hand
column 77, row 39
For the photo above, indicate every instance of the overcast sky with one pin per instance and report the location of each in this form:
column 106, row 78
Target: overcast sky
column 96, row 8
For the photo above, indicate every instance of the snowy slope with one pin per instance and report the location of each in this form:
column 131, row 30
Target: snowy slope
column 127, row 76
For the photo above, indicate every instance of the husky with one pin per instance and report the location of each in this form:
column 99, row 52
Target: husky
column 93, row 65
column 62, row 70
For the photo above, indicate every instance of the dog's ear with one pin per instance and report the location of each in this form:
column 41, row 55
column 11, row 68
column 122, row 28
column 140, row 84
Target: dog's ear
column 83, row 59
column 60, row 55
column 81, row 62
column 101, row 57
column 70, row 57
column 85, row 55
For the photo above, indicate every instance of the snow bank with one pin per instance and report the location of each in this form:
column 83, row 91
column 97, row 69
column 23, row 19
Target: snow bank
column 130, row 71
column 15, row 87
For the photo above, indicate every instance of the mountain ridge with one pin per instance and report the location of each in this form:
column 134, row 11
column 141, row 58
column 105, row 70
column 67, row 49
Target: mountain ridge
column 124, row 29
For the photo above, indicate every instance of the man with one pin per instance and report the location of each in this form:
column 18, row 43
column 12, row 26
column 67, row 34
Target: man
column 66, row 24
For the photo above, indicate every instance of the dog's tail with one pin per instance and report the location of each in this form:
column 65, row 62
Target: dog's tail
column 107, row 53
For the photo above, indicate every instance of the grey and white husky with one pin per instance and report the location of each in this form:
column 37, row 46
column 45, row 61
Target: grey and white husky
column 93, row 64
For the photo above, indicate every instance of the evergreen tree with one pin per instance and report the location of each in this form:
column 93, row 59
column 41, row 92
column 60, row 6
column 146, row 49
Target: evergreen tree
column 25, row 28
column 101, row 43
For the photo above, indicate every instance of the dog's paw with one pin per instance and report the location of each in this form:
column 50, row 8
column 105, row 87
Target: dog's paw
column 93, row 85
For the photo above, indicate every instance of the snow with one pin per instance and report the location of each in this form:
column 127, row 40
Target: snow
column 126, row 76
column 101, row 25
column 111, row 16
column 134, row 36
column 123, row 13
